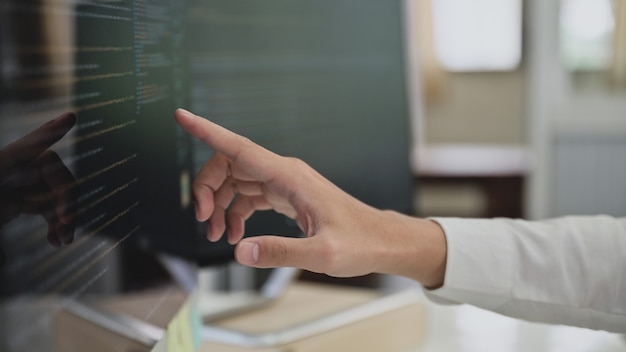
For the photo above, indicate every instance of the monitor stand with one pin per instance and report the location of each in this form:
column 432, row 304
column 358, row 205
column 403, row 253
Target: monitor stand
column 218, row 304
column 228, row 290
column 216, row 301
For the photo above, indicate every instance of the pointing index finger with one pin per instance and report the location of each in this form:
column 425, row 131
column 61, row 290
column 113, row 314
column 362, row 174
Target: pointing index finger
column 245, row 154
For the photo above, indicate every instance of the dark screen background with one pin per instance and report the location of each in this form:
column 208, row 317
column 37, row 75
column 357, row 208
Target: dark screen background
column 322, row 80
column 319, row 80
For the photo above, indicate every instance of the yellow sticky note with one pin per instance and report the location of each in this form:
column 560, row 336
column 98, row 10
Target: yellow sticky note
column 183, row 332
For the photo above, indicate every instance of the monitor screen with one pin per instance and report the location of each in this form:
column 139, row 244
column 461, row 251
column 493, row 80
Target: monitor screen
column 94, row 170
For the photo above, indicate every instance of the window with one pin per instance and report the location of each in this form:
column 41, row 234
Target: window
column 478, row 35
column 587, row 28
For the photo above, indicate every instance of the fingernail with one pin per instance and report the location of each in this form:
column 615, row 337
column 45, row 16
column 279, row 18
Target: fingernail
column 185, row 112
column 248, row 253
column 208, row 232
column 66, row 117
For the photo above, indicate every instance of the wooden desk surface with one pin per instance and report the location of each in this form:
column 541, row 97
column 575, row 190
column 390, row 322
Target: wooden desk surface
column 396, row 330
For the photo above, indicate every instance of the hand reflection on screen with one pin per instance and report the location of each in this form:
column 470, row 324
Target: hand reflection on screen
column 34, row 180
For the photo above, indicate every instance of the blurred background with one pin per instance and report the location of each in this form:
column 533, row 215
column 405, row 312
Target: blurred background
column 524, row 106
column 521, row 112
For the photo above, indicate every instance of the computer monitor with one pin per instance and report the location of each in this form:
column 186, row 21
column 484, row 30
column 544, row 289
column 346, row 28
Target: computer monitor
column 322, row 80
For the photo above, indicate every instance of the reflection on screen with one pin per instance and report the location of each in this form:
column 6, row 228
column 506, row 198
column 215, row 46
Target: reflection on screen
column 91, row 159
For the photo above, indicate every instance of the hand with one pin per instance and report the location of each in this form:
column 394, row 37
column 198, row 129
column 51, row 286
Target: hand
column 34, row 180
column 344, row 237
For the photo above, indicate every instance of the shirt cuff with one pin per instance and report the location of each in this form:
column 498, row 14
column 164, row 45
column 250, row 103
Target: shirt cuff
column 478, row 264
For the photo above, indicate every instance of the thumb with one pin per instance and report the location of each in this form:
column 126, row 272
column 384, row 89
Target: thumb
column 274, row 252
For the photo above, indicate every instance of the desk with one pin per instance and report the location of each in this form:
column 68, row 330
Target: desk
column 397, row 329
column 422, row 327
column 394, row 329
column 468, row 329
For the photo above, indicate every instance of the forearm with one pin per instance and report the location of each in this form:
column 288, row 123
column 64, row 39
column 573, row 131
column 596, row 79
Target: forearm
column 568, row 270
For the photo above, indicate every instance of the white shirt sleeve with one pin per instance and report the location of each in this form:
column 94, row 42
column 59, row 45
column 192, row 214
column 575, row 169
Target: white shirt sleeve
column 569, row 270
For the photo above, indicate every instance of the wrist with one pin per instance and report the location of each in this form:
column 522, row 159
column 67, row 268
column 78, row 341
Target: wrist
column 418, row 250
column 435, row 249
